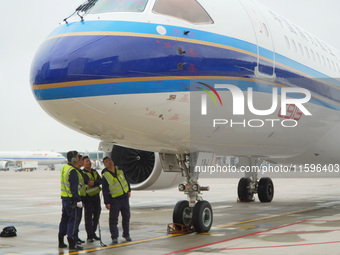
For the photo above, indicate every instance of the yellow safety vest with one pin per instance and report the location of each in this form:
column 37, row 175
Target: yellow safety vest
column 65, row 184
column 92, row 191
column 117, row 186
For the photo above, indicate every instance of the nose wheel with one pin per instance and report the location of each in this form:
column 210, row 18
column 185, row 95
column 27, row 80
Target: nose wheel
column 200, row 217
column 194, row 214
column 182, row 214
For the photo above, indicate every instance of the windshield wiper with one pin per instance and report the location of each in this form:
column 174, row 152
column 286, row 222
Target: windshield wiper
column 83, row 8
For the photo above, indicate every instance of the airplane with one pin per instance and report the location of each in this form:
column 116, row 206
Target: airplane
column 30, row 159
column 170, row 84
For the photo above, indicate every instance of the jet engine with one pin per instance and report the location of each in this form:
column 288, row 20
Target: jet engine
column 4, row 165
column 143, row 169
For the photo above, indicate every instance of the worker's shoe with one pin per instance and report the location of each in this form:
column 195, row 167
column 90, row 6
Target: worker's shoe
column 90, row 240
column 127, row 238
column 95, row 237
column 79, row 241
column 72, row 245
column 61, row 242
column 114, row 241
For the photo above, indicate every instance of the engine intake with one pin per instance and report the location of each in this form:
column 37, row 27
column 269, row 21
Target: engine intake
column 4, row 165
column 143, row 169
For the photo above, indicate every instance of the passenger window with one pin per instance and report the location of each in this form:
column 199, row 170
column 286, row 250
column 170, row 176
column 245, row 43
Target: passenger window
column 103, row 6
column 189, row 10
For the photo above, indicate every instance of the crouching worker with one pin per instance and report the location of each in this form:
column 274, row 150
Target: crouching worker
column 72, row 188
column 92, row 201
column 116, row 191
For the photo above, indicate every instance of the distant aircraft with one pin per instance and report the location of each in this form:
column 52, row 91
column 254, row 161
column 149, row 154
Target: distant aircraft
column 141, row 72
column 30, row 159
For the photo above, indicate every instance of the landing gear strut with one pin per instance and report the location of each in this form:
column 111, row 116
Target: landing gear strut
column 190, row 213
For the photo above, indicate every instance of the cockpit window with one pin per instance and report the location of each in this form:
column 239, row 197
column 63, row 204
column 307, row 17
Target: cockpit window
column 103, row 6
column 189, row 10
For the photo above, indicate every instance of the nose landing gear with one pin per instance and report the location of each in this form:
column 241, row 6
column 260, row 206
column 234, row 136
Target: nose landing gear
column 195, row 212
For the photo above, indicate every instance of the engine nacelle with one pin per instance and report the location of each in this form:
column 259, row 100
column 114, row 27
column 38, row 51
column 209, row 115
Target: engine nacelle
column 4, row 165
column 144, row 169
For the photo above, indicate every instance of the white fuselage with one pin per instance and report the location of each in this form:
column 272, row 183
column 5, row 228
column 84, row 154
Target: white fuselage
column 138, row 108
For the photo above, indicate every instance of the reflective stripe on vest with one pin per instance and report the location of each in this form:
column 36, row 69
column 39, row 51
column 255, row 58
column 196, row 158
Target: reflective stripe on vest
column 65, row 184
column 91, row 191
column 81, row 185
column 117, row 186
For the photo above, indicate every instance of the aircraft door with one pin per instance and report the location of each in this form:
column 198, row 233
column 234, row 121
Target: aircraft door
column 265, row 46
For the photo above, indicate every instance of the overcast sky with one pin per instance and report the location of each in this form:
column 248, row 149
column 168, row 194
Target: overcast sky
column 26, row 23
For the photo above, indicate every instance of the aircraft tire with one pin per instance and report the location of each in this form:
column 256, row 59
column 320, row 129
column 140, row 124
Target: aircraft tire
column 244, row 194
column 182, row 213
column 202, row 217
column 265, row 190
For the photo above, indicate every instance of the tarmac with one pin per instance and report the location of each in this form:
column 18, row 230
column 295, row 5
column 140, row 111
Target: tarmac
column 304, row 218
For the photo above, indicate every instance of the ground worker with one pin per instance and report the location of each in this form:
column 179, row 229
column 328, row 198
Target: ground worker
column 78, row 166
column 92, row 201
column 72, row 187
column 116, row 192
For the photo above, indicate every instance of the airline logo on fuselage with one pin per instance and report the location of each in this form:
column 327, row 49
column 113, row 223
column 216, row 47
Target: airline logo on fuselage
column 291, row 108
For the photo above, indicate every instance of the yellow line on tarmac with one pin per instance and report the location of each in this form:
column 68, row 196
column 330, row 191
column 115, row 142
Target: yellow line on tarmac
column 212, row 234
column 119, row 245
column 5, row 246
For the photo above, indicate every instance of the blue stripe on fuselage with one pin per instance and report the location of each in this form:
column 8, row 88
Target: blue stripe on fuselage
column 148, row 87
column 143, row 57
column 174, row 31
column 82, row 58
column 151, row 29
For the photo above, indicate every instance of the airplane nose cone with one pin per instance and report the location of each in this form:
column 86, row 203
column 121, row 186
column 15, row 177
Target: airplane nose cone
column 66, row 59
column 101, row 53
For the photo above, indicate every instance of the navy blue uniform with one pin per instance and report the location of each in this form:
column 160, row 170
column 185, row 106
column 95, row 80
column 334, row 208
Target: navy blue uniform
column 118, row 204
column 92, row 206
column 70, row 216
